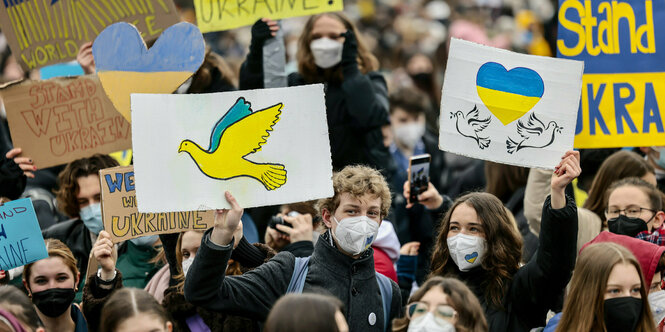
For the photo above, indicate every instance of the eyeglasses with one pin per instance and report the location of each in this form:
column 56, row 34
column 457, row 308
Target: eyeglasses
column 630, row 212
column 417, row 310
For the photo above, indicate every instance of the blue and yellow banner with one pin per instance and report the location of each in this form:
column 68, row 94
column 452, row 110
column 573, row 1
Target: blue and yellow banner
column 622, row 44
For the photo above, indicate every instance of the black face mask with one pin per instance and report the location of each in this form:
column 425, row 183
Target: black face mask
column 623, row 225
column 622, row 314
column 54, row 302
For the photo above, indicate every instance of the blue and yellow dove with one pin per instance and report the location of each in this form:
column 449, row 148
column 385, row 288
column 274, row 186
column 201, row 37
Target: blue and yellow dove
column 239, row 133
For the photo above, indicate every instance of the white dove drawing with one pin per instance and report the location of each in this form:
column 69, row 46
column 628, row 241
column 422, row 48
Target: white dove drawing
column 534, row 134
column 470, row 125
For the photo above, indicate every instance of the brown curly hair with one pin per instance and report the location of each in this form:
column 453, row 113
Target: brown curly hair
column 504, row 246
column 307, row 68
column 357, row 181
column 68, row 180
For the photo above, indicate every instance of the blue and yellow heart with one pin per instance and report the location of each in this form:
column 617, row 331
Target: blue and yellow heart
column 125, row 65
column 508, row 94
column 471, row 257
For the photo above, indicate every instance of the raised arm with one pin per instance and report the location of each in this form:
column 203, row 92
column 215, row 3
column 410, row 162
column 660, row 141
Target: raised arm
column 251, row 71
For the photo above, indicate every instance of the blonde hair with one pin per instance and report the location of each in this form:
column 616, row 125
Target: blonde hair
column 55, row 248
column 357, row 181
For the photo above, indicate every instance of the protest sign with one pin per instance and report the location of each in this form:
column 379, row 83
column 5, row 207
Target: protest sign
column 21, row 240
column 507, row 107
column 44, row 32
column 125, row 65
column 122, row 219
column 218, row 15
column 266, row 147
column 63, row 119
column 622, row 44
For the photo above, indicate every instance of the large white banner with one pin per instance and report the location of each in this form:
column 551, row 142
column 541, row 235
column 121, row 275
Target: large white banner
column 266, row 147
column 507, row 107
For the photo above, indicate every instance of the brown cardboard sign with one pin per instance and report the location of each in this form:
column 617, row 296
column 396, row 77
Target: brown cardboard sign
column 44, row 32
column 63, row 119
column 121, row 216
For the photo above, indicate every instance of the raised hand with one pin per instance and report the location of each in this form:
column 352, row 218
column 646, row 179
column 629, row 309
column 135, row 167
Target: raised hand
column 102, row 250
column 25, row 163
column 430, row 198
column 302, row 229
column 226, row 221
column 350, row 50
column 276, row 240
column 568, row 169
column 262, row 30
column 410, row 249
column 85, row 58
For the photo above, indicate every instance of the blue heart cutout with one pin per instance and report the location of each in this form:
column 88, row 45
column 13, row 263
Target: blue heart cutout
column 471, row 257
column 119, row 47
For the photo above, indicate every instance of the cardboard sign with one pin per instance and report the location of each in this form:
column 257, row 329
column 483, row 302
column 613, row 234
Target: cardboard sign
column 125, row 65
column 44, row 32
column 266, row 147
column 122, row 219
column 21, row 240
column 218, row 15
column 622, row 44
column 63, row 119
column 507, row 107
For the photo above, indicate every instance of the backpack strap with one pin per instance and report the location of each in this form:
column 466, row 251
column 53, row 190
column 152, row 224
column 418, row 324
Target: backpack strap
column 386, row 297
column 299, row 274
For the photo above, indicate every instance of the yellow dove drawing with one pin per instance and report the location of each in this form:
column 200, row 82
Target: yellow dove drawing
column 239, row 133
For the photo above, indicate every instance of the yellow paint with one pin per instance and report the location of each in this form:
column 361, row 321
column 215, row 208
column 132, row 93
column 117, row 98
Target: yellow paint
column 85, row 15
column 124, row 158
column 42, row 23
column 94, row 13
column 239, row 140
column 217, row 15
column 641, row 84
column 48, row 16
column 607, row 31
column 506, row 106
column 106, row 4
column 118, row 85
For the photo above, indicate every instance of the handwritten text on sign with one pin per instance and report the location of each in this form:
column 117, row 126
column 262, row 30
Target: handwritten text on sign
column 43, row 32
column 217, row 15
column 21, row 240
column 122, row 219
column 621, row 43
column 63, row 119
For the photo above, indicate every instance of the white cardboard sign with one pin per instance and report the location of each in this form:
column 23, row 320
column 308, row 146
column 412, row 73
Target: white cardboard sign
column 507, row 107
column 266, row 147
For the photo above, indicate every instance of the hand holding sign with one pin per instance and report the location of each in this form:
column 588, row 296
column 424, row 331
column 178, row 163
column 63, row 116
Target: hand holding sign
column 568, row 169
column 85, row 58
column 226, row 221
column 25, row 163
column 103, row 253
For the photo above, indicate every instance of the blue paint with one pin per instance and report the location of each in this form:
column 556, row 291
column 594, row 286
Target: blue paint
column 620, row 110
column 61, row 70
column 120, row 47
column 127, row 178
column 520, row 80
column 240, row 110
column 651, row 110
column 21, row 242
column 594, row 110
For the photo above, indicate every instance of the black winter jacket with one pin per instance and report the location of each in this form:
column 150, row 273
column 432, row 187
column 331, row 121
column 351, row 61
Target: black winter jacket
column 253, row 294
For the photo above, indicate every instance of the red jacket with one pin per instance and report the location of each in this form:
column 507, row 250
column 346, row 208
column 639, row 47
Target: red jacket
column 384, row 265
column 647, row 253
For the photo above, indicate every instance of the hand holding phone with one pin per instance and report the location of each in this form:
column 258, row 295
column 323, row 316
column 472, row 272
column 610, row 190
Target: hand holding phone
column 418, row 176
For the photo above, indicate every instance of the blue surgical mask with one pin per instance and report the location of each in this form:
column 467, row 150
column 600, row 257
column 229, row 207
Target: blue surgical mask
column 92, row 217
column 145, row 241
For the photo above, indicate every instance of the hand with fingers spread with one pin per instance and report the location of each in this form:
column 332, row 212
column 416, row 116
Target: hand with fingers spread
column 568, row 169
column 226, row 222
column 301, row 230
column 102, row 250
column 85, row 58
column 25, row 163
column 430, row 198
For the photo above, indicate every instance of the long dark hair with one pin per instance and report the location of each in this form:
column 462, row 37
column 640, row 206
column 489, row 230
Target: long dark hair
column 126, row 303
column 304, row 313
column 470, row 315
column 504, row 246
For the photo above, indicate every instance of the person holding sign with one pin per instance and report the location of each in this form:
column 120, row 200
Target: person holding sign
column 331, row 51
column 479, row 244
column 14, row 171
column 52, row 283
column 342, row 262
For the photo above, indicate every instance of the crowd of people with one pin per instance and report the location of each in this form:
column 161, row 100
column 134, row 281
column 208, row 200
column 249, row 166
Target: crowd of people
column 486, row 247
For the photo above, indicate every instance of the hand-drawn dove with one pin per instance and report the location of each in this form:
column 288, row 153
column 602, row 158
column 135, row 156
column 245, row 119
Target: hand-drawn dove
column 239, row 133
column 471, row 124
column 534, row 134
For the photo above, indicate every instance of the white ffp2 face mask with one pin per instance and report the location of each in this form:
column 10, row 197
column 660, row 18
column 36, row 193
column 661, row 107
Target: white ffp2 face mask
column 327, row 52
column 186, row 263
column 657, row 304
column 409, row 134
column 355, row 234
column 467, row 251
column 428, row 323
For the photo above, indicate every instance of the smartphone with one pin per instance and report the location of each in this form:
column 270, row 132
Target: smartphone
column 275, row 220
column 418, row 175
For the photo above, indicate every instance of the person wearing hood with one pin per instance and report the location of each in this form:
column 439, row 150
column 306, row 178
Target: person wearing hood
column 634, row 208
column 342, row 262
